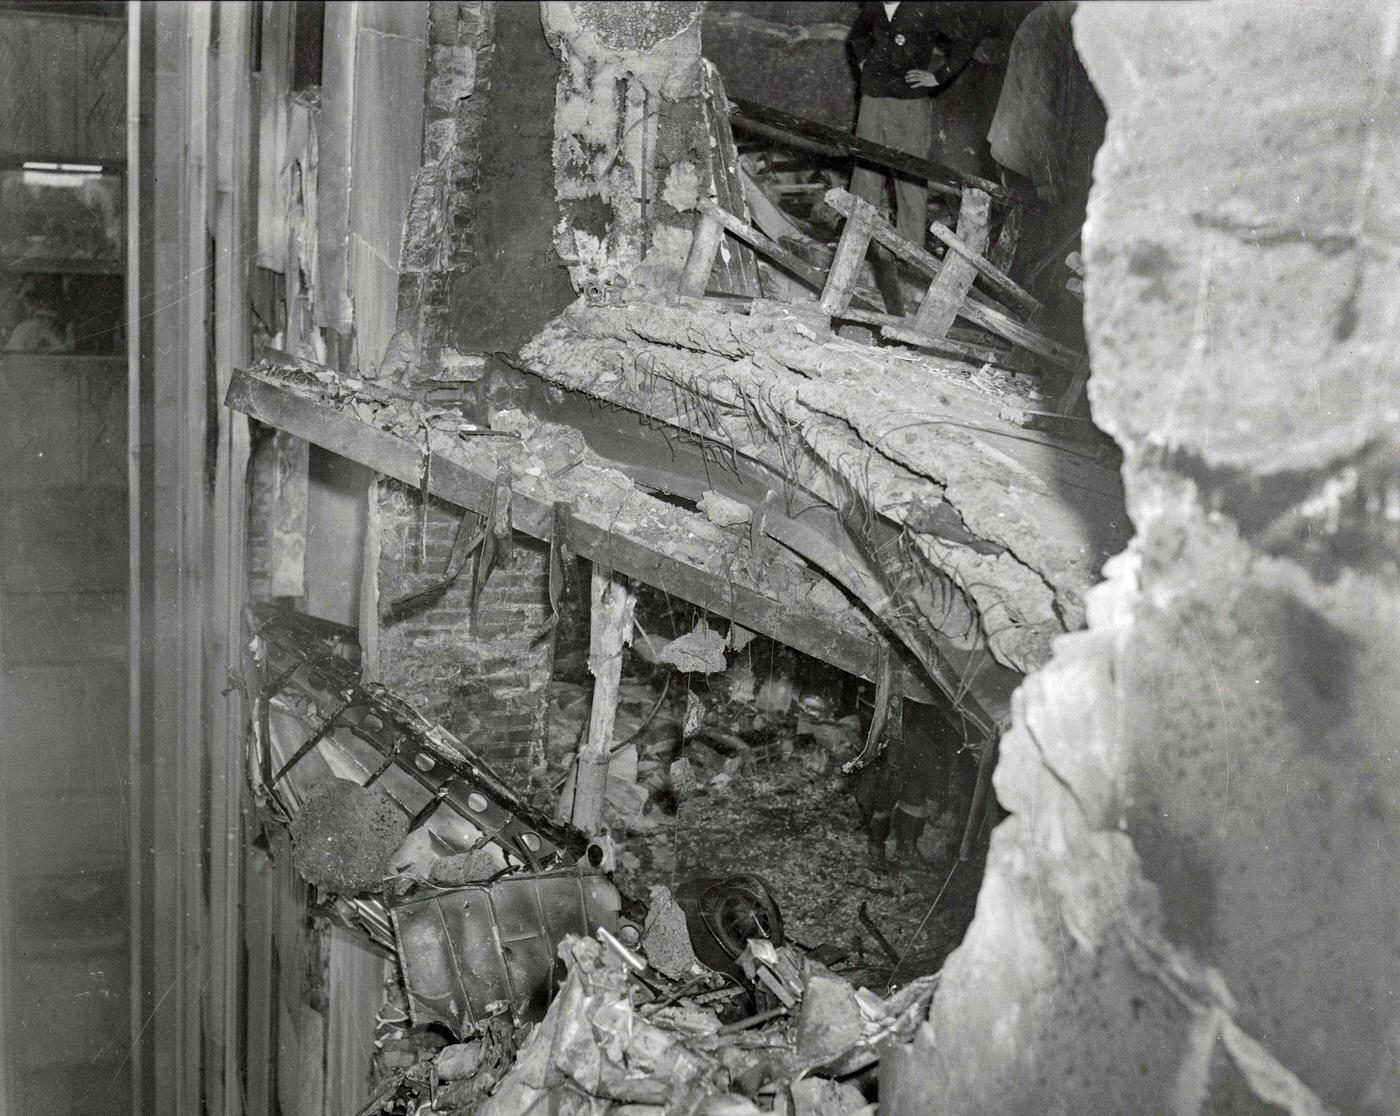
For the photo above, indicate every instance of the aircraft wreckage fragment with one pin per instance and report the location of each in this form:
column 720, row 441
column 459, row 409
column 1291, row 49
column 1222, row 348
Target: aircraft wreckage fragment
column 477, row 890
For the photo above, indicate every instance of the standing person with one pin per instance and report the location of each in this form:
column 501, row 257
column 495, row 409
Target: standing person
column 1032, row 130
column 902, row 59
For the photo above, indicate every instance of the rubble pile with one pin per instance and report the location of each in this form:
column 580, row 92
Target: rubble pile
column 755, row 785
column 621, row 1038
column 699, row 1001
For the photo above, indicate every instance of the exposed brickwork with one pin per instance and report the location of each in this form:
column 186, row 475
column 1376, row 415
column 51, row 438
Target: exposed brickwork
column 486, row 681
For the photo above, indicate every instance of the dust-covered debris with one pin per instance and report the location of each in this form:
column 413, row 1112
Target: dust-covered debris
column 700, row 651
column 755, row 787
column 622, row 1037
column 345, row 835
column 724, row 512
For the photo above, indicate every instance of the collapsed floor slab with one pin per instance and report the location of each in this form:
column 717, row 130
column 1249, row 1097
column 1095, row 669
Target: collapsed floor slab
column 959, row 528
column 608, row 519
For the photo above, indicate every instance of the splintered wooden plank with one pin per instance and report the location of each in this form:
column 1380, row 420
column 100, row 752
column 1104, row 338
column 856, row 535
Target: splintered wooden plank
column 996, row 278
column 704, row 244
column 812, row 276
column 978, row 313
column 737, row 270
column 850, row 254
column 718, row 576
column 767, row 214
column 946, row 294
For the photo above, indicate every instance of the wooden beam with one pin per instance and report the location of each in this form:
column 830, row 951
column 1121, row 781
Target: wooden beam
column 1004, row 325
column 738, row 271
column 718, row 581
column 610, row 620
column 808, row 273
column 747, row 113
column 850, row 254
column 899, row 329
column 770, row 218
column 704, row 244
column 1004, row 285
column 1074, row 390
column 945, row 295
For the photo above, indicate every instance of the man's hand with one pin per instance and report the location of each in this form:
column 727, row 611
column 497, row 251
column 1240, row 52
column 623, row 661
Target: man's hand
column 921, row 79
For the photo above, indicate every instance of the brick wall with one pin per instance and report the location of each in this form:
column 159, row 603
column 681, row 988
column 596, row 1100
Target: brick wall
column 487, row 681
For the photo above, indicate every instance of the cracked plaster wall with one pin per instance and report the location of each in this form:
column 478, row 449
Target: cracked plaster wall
column 1192, row 908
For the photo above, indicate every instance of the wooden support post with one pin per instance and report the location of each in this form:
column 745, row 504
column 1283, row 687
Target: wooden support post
column 950, row 287
column 850, row 253
column 611, row 626
column 701, row 260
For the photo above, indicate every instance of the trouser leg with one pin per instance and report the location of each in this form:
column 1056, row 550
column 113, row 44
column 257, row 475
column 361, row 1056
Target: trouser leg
column 907, row 826
column 867, row 181
column 910, row 129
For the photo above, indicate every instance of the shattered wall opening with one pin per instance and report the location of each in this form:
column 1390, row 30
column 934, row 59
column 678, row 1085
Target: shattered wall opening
column 741, row 416
column 765, row 406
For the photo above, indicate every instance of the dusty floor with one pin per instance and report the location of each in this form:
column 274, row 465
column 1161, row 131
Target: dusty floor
column 800, row 831
column 771, row 800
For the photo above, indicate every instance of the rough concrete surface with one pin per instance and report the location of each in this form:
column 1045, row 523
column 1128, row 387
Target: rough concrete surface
column 884, row 429
column 1192, row 908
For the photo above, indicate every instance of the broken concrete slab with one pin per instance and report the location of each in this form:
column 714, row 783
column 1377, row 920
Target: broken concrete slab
column 993, row 533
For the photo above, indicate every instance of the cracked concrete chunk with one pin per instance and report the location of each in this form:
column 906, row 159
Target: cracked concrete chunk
column 724, row 512
column 828, row 1022
column 699, row 652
